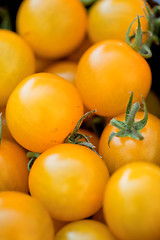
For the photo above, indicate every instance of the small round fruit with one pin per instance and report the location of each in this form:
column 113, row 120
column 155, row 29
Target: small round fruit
column 65, row 69
column 16, row 62
column 69, row 180
column 107, row 72
column 85, row 230
column 52, row 28
column 47, row 110
column 13, row 165
column 123, row 150
column 23, row 217
column 131, row 202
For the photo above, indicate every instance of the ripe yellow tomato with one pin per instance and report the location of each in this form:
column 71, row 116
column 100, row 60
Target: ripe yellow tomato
column 123, row 150
column 111, row 19
column 85, row 230
column 131, row 203
column 42, row 111
column 23, row 218
column 52, row 28
column 65, row 69
column 69, row 180
column 16, row 62
column 107, row 72
column 13, row 165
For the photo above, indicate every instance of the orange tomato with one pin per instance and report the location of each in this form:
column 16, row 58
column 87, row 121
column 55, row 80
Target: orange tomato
column 111, row 19
column 13, row 165
column 69, row 180
column 23, row 218
column 85, row 229
column 52, row 28
column 16, row 62
column 125, row 149
column 65, row 69
column 107, row 72
column 131, row 202
column 47, row 110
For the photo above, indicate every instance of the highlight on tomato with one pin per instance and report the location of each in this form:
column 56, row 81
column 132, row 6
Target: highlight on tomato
column 85, row 229
column 16, row 62
column 131, row 137
column 69, row 180
column 107, row 72
column 53, row 29
column 111, row 19
column 65, row 69
column 13, row 165
column 47, row 110
column 23, row 217
column 131, row 202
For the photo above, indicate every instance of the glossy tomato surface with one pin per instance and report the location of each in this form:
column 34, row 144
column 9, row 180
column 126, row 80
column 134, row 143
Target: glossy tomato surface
column 123, row 150
column 42, row 111
column 69, row 180
column 111, row 19
column 13, row 165
column 23, row 218
column 52, row 28
column 16, row 62
column 106, row 74
column 85, row 230
column 131, row 203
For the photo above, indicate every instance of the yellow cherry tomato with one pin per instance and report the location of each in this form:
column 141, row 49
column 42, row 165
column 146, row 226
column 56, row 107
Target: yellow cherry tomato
column 131, row 202
column 13, row 165
column 42, row 111
column 16, row 62
column 52, row 28
column 107, row 72
column 123, row 150
column 69, row 180
column 65, row 69
column 85, row 230
column 23, row 218
column 4, row 128
column 110, row 19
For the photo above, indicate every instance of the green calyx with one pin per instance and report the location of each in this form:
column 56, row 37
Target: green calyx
column 0, row 127
column 5, row 21
column 130, row 128
column 32, row 156
column 88, row 2
column 137, row 44
column 75, row 136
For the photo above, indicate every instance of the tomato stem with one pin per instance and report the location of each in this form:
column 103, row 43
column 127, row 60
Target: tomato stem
column 5, row 22
column 33, row 156
column 130, row 128
column 75, row 136
column 137, row 45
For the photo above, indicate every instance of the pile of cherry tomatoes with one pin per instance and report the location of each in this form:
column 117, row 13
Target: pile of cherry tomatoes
column 79, row 121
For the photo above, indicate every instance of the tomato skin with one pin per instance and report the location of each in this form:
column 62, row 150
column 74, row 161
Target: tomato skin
column 110, row 70
column 69, row 180
column 13, row 165
column 111, row 19
column 4, row 128
column 125, row 149
column 16, row 62
column 65, row 69
column 47, row 110
column 23, row 218
column 92, row 137
column 60, row 30
column 85, row 229
column 131, row 202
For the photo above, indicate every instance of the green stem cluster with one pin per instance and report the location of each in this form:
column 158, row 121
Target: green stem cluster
column 5, row 22
column 130, row 128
